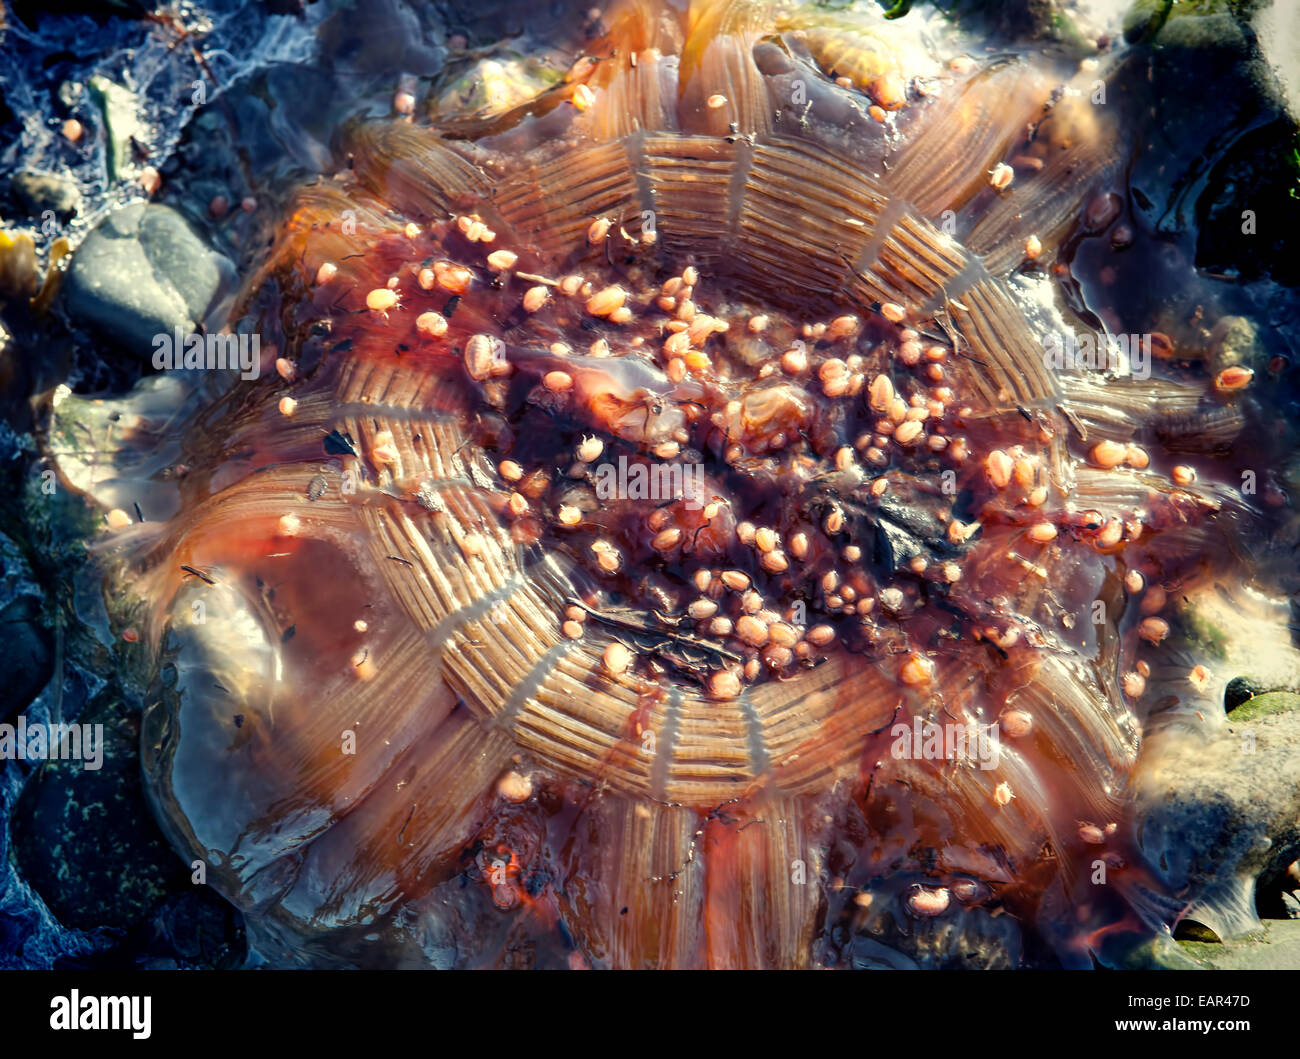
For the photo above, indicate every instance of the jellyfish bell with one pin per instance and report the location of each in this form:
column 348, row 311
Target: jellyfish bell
column 444, row 695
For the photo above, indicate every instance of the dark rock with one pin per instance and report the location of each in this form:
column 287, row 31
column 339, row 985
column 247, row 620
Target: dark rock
column 29, row 651
column 1218, row 808
column 190, row 929
column 40, row 191
column 84, row 838
column 144, row 271
column 196, row 928
column 393, row 35
column 1219, row 157
column 1239, row 690
column 1247, row 215
column 29, row 645
column 32, row 11
column 1044, row 21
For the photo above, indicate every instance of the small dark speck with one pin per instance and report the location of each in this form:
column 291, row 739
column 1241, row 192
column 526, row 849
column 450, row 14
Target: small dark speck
column 198, row 573
column 452, row 303
column 288, row 634
column 337, row 444
column 239, row 720
column 623, row 911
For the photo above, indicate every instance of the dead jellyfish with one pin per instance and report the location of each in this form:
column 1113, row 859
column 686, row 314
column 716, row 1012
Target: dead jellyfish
column 661, row 457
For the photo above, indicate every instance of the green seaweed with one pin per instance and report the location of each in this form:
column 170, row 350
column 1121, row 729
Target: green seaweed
column 1207, row 637
column 1144, row 20
column 1267, row 705
column 119, row 108
column 1293, row 163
